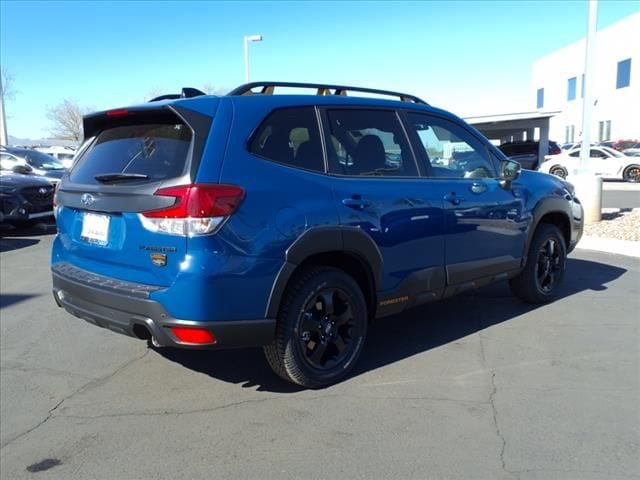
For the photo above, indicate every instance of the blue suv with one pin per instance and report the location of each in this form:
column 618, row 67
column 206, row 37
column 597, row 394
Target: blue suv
column 292, row 221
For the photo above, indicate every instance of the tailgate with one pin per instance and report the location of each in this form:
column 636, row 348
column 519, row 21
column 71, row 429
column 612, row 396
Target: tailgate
column 129, row 157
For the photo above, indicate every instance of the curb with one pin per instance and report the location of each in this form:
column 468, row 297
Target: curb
column 629, row 248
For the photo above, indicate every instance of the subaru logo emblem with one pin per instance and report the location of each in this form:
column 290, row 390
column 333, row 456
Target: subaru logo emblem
column 87, row 199
column 43, row 191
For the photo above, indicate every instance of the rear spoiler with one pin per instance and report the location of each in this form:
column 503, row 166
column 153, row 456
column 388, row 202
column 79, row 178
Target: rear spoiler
column 94, row 123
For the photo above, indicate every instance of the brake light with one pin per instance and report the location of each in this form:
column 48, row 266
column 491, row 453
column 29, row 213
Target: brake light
column 198, row 209
column 120, row 112
column 193, row 335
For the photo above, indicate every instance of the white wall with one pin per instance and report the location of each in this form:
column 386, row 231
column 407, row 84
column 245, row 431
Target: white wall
column 621, row 106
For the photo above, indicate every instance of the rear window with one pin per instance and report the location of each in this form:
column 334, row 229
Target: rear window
column 157, row 150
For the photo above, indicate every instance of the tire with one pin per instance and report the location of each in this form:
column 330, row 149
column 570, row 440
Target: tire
column 631, row 174
column 321, row 328
column 544, row 271
column 558, row 171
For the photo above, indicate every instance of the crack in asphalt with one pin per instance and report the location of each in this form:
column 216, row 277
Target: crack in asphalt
column 495, row 420
column 87, row 386
column 262, row 400
column 492, row 397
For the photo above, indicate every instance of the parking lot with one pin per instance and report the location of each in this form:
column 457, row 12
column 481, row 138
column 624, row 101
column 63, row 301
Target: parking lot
column 480, row 386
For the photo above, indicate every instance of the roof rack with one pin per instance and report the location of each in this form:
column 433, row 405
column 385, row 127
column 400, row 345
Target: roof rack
column 268, row 88
column 187, row 92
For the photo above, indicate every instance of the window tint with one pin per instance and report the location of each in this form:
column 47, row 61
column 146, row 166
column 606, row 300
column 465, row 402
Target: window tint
column 42, row 160
column 290, row 136
column 368, row 142
column 451, row 151
column 571, row 89
column 623, row 76
column 156, row 150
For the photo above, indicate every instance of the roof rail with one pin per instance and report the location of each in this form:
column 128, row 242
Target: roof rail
column 187, row 92
column 268, row 88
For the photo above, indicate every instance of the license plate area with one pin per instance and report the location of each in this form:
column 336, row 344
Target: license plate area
column 95, row 228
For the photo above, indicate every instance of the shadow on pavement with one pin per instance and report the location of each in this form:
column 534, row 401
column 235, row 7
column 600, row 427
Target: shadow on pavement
column 6, row 300
column 401, row 336
column 14, row 238
column 8, row 244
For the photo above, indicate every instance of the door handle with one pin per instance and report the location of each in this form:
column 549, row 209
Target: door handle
column 453, row 198
column 356, row 202
column 477, row 187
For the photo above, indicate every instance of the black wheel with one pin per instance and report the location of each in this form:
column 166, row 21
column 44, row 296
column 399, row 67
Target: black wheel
column 321, row 328
column 558, row 171
column 631, row 174
column 542, row 275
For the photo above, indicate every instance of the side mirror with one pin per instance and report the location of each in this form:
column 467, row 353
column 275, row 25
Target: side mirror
column 22, row 169
column 510, row 170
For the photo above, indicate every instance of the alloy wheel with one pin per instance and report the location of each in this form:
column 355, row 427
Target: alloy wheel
column 549, row 265
column 328, row 329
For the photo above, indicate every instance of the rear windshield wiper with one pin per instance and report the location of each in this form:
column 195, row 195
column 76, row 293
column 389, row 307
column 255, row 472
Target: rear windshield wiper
column 120, row 177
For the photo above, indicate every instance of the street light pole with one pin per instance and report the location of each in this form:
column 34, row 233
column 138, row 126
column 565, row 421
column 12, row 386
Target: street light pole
column 247, row 39
column 4, row 139
column 587, row 103
column 588, row 185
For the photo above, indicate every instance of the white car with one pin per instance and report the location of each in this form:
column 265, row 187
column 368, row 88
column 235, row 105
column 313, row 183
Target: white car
column 604, row 161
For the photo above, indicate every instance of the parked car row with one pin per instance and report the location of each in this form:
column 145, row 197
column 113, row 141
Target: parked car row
column 24, row 198
column 27, row 183
column 526, row 152
column 606, row 161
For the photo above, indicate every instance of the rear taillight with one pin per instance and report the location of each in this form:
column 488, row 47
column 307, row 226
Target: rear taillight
column 198, row 209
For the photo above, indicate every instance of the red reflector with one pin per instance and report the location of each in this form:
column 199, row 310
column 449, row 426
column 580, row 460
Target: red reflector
column 118, row 112
column 199, row 201
column 193, row 335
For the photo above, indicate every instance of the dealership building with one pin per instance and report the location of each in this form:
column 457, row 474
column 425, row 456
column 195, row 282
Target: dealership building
column 558, row 85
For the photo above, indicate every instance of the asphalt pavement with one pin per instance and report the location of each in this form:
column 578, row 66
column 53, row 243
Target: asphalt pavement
column 475, row 387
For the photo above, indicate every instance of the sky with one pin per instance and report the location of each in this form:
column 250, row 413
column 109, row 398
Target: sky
column 469, row 57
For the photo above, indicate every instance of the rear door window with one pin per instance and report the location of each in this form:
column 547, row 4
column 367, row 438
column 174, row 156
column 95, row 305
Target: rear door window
column 368, row 143
column 154, row 151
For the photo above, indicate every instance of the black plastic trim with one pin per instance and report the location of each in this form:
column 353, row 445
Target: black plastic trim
column 200, row 125
column 125, row 314
column 325, row 239
column 464, row 272
column 550, row 206
column 419, row 287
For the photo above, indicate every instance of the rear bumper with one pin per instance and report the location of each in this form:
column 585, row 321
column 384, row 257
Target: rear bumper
column 127, row 309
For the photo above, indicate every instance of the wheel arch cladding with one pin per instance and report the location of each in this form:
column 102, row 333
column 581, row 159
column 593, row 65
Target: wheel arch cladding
column 346, row 248
column 554, row 211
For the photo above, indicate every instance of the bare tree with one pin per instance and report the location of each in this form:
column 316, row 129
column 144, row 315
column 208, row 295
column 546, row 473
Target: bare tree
column 211, row 90
column 8, row 91
column 66, row 118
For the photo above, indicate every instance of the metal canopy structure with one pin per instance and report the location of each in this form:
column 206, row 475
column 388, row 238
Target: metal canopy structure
column 510, row 127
